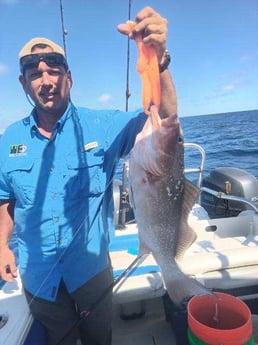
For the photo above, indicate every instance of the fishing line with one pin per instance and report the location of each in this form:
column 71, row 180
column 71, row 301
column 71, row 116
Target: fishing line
column 86, row 313
column 30, row 100
column 94, row 176
column 75, row 234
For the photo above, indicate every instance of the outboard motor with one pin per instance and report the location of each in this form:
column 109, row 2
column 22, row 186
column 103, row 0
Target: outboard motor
column 123, row 212
column 232, row 181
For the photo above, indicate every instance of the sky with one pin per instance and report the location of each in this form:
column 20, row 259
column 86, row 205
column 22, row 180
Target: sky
column 213, row 44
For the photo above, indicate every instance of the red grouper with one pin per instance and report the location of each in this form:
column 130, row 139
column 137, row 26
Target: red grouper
column 162, row 199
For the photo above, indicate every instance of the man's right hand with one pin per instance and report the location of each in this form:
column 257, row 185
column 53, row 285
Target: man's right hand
column 8, row 268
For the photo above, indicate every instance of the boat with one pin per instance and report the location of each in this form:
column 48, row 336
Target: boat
column 224, row 258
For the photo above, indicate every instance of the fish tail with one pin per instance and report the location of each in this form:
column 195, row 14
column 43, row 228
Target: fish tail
column 184, row 288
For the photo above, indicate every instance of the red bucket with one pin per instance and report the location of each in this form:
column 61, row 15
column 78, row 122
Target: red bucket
column 224, row 319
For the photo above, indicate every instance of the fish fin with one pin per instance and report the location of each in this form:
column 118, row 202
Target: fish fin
column 143, row 249
column 190, row 195
column 182, row 289
column 185, row 239
column 186, row 235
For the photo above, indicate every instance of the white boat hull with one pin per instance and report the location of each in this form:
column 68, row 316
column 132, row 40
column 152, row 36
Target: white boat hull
column 224, row 257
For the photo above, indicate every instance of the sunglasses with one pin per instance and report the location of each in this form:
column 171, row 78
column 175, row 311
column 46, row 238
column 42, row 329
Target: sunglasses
column 51, row 59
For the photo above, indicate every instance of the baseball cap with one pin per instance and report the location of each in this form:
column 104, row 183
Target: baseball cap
column 28, row 48
column 54, row 58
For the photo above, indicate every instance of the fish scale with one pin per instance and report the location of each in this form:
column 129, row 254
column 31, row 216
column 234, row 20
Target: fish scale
column 163, row 202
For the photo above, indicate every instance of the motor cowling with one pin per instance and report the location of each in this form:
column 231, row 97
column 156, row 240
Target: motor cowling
column 232, row 181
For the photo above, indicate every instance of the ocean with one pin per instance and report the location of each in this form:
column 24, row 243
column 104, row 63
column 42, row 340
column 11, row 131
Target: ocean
column 229, row 140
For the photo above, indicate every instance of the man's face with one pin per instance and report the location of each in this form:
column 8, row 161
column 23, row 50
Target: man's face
column 49, row 87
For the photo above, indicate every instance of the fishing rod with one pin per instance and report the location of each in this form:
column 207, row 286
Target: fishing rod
column 127, row 92
column 86, row 313
column 64, row 31
column 124, row 193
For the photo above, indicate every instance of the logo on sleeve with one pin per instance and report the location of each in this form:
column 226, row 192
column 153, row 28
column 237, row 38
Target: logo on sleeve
column 18, row 150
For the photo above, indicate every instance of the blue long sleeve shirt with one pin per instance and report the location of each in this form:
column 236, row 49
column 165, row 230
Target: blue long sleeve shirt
column 63, row 192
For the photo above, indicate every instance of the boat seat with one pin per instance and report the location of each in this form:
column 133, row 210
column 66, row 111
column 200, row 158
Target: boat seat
column 228, row 269
column 226, row 263
column 143, row 282
column 13, row 303
column 215, row 259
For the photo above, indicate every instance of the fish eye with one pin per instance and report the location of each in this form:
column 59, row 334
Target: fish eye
column 180, row 139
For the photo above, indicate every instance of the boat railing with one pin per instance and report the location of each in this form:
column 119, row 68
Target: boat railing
column 222, row 195
column 124, row 189
column 199, row 169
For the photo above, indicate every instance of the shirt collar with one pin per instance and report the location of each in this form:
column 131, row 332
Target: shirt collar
column 60, row 123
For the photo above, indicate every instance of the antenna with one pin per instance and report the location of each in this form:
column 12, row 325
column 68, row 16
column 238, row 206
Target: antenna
column 64, row 31
column 127, row 92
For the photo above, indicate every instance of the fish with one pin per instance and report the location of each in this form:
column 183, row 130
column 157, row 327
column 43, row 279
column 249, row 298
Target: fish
column 162, row 199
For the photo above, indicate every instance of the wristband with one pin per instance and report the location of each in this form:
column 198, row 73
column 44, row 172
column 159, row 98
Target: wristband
column 165, row 61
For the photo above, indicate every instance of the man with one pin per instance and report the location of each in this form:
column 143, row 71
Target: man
column 56, row 170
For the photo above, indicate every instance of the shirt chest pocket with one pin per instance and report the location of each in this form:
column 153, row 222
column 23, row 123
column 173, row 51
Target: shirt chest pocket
column 23, row 177
column 85, row 174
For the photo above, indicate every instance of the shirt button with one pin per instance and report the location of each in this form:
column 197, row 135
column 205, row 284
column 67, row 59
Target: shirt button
column 56, row 219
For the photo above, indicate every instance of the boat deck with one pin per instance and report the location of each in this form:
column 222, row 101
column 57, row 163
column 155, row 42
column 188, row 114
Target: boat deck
column 150, row 329
column 224, row 257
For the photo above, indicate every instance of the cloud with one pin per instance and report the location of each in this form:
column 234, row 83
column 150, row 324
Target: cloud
column 229, row 87
column 4, row 69
column 104, row 98
column 233, row 85
column 249, row 57
column 231, row 81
